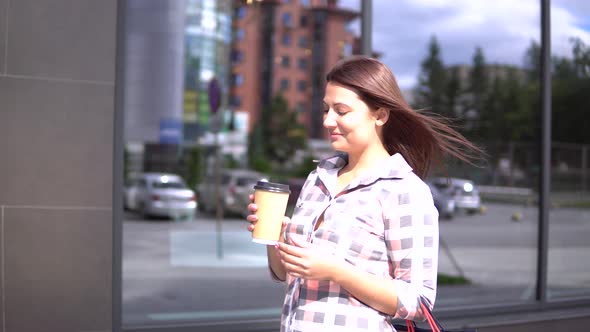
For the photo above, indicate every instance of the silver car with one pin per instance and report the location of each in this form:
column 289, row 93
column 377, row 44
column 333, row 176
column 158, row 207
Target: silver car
column 462, row 192
column 444, row 203
column 235, row 187
column 164, row 195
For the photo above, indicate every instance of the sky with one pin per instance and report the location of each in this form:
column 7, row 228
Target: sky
column 503, row 29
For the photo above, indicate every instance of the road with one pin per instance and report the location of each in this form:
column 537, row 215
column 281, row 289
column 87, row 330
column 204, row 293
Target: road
column 171, row 269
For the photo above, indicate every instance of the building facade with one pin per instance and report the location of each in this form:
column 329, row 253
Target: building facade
column 207, row 43
column 286, row 48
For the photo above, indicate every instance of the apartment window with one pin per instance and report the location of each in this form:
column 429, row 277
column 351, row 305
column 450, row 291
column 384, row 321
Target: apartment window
column 303, row 63
column 240, row 34
column 347, row 49
column 235, row 101
column 285, row 61
column 301, row 85
column 287, row 19
column 305, row 3
column 303, row 41
column 303, row 21
column 241, row 12
column 286, row 39
column 284, row 84
column 237, row 56
column 237, row 79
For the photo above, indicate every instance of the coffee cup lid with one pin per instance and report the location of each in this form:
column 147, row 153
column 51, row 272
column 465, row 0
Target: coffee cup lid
column 272, row 186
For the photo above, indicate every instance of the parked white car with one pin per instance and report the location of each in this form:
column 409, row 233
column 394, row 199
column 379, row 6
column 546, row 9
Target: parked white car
column 162, row 195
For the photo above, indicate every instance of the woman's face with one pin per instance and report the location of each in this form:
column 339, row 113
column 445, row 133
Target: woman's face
column 350, row 122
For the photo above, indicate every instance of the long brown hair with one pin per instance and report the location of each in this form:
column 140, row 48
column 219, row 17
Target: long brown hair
column 423, row 139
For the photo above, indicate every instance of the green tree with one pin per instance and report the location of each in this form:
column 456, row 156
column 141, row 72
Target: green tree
column 453, row 92
column 570, row 102
column 532, row 61
column 432, row 81
column 478, row 89
column 194, row 166
column 276, row 136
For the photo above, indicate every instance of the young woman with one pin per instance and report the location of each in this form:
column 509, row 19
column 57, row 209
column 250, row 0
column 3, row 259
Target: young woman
column 362, row 245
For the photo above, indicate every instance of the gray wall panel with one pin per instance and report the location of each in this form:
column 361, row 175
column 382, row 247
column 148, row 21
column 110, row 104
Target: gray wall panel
column 62, row 39
column 57, row 94
column 57, row 270
column 3, row 22
column 57, row 141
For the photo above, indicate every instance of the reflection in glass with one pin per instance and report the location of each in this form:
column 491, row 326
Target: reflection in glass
column 473, row 64
column 456, row 65
column 569, row 222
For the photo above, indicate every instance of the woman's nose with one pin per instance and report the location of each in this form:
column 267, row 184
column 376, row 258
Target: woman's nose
column 329, row 121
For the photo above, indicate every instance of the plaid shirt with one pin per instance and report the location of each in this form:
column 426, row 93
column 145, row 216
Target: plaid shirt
column 384, row 222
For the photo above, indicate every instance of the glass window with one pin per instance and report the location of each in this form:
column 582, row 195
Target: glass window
column 168, row 185
column 240, row 34
column 285, row 61
column 236, row 101
column 303, row 21
column 569, row 219
column 462, row 60
column 284, row 84
column 237, row 79
column 347, row 50
column 287, row 19
column 237, row 56
column 302, row 85
column 303, row 41
column 305, row 3
column 241, row 12
column 481, row 83
column 303, row 63
column 286, row 39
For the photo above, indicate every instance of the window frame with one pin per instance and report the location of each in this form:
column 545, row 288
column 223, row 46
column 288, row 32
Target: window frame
column 541, row 302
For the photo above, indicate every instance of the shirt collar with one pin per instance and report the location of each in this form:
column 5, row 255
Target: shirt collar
column 395, row 167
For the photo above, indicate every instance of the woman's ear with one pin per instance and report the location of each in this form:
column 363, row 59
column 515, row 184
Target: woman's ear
column 381, row 117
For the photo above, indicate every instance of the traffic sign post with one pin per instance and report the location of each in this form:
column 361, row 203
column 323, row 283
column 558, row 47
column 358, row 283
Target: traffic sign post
column 214, row 94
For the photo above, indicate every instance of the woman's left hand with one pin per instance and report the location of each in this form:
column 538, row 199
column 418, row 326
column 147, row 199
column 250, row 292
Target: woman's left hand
column 301, row 260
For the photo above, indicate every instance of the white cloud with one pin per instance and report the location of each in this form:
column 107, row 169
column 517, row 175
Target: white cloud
column 503, row 28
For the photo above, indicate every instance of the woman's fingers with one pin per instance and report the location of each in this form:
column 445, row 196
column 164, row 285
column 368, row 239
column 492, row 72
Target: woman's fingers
column 252, row 207
column 286, row 220
column 252, row 217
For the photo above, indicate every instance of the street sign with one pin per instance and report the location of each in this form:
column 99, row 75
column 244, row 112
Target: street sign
column 170, row 131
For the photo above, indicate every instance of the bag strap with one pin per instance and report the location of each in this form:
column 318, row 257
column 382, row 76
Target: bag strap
column 434, row 324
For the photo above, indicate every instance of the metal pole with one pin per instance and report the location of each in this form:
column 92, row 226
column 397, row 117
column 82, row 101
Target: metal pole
column 366, row 23
column 545, row 174
column 218, row 198
column 584, row 168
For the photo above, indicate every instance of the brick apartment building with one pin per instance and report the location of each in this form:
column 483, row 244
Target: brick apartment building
column 286, row 47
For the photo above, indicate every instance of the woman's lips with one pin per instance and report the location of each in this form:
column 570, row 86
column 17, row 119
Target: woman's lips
column 334, row 136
